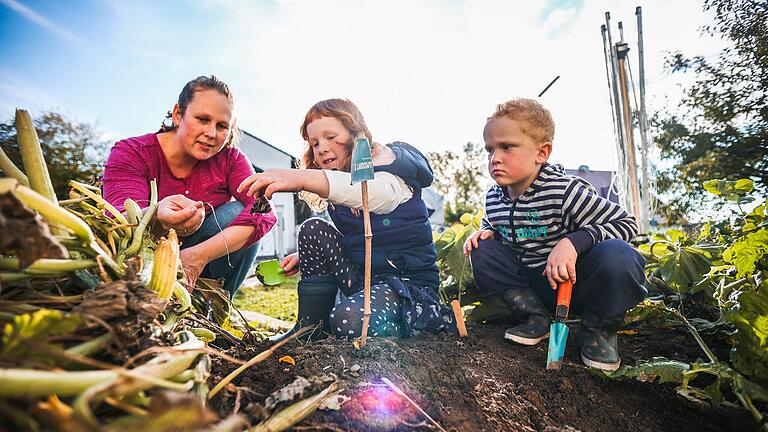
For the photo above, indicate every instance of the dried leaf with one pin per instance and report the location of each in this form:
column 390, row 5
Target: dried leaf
column 24, row 234
column 169, row 411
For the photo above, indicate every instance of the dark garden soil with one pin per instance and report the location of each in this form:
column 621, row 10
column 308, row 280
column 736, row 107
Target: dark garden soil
column 478, row 383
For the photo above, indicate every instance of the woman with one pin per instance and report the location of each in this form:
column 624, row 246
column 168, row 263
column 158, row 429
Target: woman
column 198, row 169
column 404, row 274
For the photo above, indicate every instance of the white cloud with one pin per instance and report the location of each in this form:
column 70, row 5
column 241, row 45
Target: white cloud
column 41, row 21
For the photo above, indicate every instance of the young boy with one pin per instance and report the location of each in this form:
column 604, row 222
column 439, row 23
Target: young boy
column 542, row 227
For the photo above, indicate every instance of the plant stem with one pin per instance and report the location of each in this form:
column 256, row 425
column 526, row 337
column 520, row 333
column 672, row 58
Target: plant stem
column 710, row 355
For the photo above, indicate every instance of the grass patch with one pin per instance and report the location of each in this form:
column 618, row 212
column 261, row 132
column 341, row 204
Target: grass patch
column 279, row 301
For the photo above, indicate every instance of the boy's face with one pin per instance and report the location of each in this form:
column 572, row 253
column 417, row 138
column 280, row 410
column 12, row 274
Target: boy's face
column 514, row 158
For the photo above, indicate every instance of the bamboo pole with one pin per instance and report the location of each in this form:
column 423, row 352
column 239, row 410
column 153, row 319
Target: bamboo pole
column 622, row 50
column 367, row 287
column 646, row 198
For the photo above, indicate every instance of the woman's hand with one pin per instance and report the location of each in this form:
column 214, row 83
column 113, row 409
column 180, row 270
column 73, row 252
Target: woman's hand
column 561, row 264
column 193, row 260
column 290, row 264
column 180, row 213
column 478, row 235
column 273, row 180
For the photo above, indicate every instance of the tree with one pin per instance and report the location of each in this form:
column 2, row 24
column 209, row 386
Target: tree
column 72, row 150
column 720, row 130
column 462, row 179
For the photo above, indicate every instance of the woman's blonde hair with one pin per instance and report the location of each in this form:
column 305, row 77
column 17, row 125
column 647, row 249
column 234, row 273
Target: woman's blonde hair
column 349, row 115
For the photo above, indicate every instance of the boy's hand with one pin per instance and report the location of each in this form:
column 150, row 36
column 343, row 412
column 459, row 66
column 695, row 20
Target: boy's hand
column 561, row 264
column 478, row 235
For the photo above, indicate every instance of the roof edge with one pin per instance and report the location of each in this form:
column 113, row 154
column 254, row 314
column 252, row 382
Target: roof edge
column 278, row 149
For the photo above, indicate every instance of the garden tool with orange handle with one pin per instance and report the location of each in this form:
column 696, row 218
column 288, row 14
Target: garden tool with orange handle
column 558, row 331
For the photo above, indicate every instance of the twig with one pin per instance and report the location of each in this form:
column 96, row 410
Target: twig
column 401, row 393
column 258, row 358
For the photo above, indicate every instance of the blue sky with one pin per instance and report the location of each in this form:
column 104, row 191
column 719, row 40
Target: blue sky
column 426, row 72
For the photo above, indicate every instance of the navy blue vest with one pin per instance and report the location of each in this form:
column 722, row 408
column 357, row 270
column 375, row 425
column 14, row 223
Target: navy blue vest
column 402, row 240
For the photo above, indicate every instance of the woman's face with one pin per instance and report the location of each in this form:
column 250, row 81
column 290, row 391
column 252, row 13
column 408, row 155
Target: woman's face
column 329, row 140
column 205, row 125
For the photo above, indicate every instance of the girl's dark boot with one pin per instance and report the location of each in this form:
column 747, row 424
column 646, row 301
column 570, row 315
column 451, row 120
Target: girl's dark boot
column 317, row 296
column 530, row 311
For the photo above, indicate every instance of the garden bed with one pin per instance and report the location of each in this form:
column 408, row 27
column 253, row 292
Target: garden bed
column 478, row 383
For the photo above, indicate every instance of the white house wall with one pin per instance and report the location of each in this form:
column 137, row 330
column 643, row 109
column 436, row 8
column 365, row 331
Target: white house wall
column 281, row 240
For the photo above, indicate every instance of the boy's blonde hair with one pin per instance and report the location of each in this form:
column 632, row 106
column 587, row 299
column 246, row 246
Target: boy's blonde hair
column 537, row 120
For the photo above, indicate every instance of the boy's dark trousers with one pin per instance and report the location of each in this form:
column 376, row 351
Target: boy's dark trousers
column 609, row 277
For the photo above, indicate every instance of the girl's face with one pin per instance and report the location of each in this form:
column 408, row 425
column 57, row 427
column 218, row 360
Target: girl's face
column 205, row 125
column 330, row 142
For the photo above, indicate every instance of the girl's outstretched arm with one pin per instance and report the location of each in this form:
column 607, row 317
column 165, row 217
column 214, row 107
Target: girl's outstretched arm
column 285, row 180
column 385, row 192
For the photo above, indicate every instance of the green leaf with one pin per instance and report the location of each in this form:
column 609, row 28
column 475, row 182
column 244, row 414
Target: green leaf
column 744, row 186
column 35, row 327
column 660, row 368
column 747, row 252
column 730, row 190
column 270, row 273
column 711, row 187
column 750, row 341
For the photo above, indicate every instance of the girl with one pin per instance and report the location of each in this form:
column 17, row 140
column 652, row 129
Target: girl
column 404, row 274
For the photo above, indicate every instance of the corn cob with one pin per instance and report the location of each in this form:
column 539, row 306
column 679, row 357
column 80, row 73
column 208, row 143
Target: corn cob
column 164, row 266
column 32, row 156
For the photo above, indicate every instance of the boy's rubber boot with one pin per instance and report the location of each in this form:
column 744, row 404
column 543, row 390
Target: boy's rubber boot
column 530, row 311
column 317, row 296
column 599, row 341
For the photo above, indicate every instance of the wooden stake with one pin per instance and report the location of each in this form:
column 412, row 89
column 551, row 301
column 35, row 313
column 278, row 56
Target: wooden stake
column 367, row 286
column 456, row 306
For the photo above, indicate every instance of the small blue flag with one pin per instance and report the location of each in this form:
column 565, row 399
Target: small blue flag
column 362, row 163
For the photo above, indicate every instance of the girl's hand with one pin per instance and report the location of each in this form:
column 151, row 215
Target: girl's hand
column 561, row 264
column 193, row 260
column 290, row 264
column 271, row 181
column 478, row 235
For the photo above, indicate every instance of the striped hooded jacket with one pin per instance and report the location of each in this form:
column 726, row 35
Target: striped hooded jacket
column 556, row 205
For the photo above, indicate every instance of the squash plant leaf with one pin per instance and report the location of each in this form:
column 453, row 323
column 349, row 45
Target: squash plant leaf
column 35, row 327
